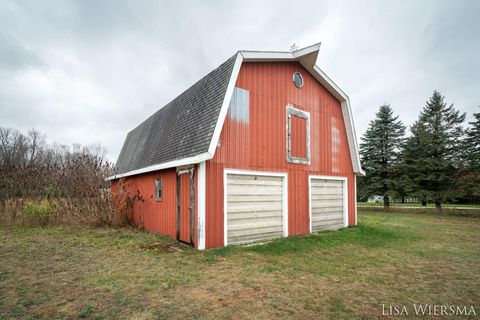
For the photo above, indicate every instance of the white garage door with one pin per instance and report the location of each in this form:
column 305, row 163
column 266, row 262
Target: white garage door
column 327, row 201
column 254, row 207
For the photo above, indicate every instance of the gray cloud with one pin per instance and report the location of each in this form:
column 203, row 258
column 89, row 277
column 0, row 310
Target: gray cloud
column 14, row 56
column 89, row 71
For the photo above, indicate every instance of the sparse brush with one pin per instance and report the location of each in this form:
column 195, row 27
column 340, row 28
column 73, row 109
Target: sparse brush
column 72, row 190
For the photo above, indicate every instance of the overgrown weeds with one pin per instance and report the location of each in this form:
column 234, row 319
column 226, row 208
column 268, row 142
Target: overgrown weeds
column 73, row 192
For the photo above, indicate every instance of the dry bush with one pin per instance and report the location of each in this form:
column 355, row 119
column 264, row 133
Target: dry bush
column 74, row 192
column 44, row 184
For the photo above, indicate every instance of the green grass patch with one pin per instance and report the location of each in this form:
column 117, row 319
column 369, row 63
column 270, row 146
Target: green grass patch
column 389, row 258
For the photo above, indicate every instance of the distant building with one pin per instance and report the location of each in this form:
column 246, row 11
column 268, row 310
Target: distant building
column 375, row 199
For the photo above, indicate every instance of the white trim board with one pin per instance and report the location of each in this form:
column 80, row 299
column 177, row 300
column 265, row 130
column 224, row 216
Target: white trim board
column 166, row 165
column 345, row 197
column 225, row 105
column 355, row 199
column 283, row 175
column 307, row 58
column 201, row 205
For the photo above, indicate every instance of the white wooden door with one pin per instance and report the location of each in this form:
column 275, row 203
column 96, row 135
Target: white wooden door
column 327, row 203
column 254, row 207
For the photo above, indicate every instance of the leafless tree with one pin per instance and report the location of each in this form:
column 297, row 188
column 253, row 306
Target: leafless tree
column 55, row 181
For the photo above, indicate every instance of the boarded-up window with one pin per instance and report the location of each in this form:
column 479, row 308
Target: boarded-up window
column 298, row 136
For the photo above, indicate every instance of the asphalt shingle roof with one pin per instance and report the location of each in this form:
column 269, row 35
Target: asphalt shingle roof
column 183, row 128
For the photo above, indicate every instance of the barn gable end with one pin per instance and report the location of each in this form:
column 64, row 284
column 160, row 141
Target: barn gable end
column 263, row 146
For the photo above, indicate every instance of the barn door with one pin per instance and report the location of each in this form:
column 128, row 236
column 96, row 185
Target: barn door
column 255, row 207
column 328, row 206
column 185, row 205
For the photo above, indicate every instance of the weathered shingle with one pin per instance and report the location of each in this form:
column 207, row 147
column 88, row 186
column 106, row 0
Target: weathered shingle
column 181, row 129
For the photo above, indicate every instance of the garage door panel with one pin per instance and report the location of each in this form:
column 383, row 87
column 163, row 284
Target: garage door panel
column 254, row 207
column 249, row 190
column 252, row 232
column 327, row 210
column 326, row 217
column 327, row 197
column 331, row 224
column 250, row 238
column 249, row 180
column 326, row 203
column 326, row 182
column 254, row 198
column 257, row 217
column 255, row 214
column 254, row 228
column 326, row 191
column 328, row 222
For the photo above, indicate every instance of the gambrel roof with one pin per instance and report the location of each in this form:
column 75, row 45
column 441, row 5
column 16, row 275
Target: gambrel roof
column 186, row 130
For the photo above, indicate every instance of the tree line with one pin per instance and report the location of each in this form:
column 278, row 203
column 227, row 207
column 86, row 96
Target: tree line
column 439, row 161
column 44, row 183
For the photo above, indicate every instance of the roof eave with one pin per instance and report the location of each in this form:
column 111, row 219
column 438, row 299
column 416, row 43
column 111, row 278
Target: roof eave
column 166, row 165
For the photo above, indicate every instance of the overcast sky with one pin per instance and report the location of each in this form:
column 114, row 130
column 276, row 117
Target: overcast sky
column 90, row 71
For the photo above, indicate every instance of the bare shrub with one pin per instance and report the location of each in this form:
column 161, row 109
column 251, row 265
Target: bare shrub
column 42, row 185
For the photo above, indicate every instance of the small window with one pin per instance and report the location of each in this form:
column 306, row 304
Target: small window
column 298, row 79
column 158, row 189
column 298, row 136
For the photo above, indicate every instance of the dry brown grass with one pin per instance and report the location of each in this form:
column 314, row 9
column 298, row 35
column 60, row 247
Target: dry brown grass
column 123, row 273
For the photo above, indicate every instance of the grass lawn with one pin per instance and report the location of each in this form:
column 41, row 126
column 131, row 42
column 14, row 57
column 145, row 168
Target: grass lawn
column 416, row 204
column 390, row 258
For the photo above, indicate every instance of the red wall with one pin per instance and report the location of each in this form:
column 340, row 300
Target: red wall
column 153, row 215
column 260, row 144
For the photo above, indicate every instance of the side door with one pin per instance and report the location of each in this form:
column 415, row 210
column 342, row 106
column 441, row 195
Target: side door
column 185, row 205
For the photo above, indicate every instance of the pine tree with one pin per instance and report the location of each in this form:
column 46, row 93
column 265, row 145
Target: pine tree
column 380, row 150
column 404, row 185
column 472, row 143
column 433, row 151
column 470, row 181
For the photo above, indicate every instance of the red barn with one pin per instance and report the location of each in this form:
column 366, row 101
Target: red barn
column 262, row 147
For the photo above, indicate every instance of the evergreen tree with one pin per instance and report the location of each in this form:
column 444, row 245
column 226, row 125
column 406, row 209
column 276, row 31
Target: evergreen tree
column 380, row 150
column 433, row 152
column 470, row 181
column 404, row 184
column 472, row 143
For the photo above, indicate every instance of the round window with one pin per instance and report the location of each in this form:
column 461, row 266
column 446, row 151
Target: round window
column 298, row 79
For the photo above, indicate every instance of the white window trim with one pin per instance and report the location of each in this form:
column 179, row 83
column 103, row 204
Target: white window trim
column 283, row 175
column 345, row 197
column 293, row 78
column 291, row 110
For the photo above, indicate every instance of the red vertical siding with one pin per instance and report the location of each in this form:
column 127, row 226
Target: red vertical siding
column 260, row 144
column 160, row 216
column 153, row 215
